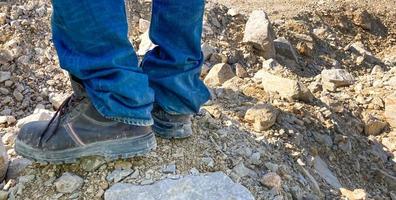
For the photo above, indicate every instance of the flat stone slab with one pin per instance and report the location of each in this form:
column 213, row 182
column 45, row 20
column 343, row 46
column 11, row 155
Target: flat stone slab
column 201, row 187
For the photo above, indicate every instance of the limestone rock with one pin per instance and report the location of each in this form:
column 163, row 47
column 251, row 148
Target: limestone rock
column 373, row 125
column 337, row 78
column 259, row 34
column 219, row 74
column 145, row 44
column 286, row 88
column 359, row 49
column 262, row 115
column 390, row 110
column 202, row 187
column 38, row 115
column 285, row 49
column 144, row 25
column 68, row 183
column 357, row 194
column 272, row 180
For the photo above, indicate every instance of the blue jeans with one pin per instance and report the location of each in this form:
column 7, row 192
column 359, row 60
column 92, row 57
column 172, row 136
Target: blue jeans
column 91, row 40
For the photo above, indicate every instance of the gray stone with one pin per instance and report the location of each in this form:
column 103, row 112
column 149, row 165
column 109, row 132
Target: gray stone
column 4, row 76
column 17, row 166
column 5, row 57
column 90, row 164
column 219, row 74
column 285, row 49
column 336, row 78
column 241, row 170
column 68, row 183
column 208, row 161
column 359, row 49
column 259, row 34
column 207, row 50
column 118, row 174
column 210, row 186
column 323, row 171
column 169, row 169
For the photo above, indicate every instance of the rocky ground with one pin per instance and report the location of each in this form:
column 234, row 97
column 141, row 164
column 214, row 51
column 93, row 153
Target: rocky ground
column 304, row 106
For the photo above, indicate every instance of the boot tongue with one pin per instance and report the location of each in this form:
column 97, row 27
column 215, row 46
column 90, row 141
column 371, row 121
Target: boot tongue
column 78, row 87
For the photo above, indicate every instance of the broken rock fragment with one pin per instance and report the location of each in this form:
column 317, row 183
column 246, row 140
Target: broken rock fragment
column 334, row 78
column 262, row 115
column 259, row 34
column 286, row 88
column 219, row 74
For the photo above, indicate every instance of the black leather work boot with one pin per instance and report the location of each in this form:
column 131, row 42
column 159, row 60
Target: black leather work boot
column 78, row 130
column 171, row 126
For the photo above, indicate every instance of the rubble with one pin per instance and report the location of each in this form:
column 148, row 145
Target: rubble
column 259, row 33
column 219, row 74
column 286, row 88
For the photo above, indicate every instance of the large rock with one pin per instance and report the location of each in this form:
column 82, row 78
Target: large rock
column 259, row 34
column 262, row 115
column 219, row 74
column 286, row 88
column 334, row 78
column 285, row 49
column 211, row 186
column 390, row 110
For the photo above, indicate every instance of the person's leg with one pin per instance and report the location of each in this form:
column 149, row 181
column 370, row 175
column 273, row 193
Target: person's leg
column 109, row 113
column 92, row 44
column 174, row 65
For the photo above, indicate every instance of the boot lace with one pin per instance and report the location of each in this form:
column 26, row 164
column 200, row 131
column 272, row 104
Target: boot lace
column 64, row 108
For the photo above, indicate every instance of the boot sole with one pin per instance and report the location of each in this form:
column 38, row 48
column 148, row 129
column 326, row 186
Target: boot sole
column 171, row 130
column 110, row 150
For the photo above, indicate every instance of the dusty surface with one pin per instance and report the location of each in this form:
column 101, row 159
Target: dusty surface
column 338, row 137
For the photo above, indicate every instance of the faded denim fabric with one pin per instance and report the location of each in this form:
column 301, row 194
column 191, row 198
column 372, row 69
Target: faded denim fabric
column 92, row 44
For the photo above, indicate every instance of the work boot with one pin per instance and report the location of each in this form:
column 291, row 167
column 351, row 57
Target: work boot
column 78, row 130
column 171, row 126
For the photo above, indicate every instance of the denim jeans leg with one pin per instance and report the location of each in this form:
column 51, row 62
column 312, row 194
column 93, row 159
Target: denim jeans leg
column 174, row 65
column 91, row 39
